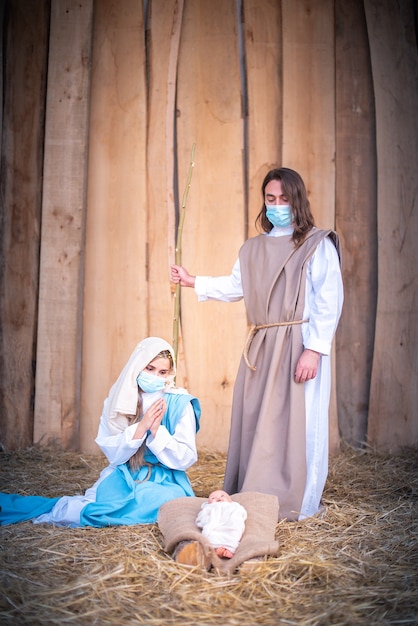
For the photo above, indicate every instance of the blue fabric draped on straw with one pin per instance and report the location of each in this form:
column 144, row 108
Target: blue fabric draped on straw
column 16, row 508
column 121, row 497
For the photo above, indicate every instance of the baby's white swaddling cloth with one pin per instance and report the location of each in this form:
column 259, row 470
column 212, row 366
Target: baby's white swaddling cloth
column 222, row 523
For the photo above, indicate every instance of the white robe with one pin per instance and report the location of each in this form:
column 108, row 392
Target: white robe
column 222, row 523
column 323, row 305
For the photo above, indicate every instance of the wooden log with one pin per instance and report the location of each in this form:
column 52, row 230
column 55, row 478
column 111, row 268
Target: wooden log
column 57, row 393
column 309, row 119
column 25, row 28
column 262, row 30
column 355, row 217
column 393, row 412
column 209, row 114
column 116, row 288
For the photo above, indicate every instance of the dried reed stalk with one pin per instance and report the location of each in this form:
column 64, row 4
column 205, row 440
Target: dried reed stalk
column 178, row 255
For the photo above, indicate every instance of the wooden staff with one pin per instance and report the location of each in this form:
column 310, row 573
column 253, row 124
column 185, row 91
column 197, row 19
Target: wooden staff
column 176, row 319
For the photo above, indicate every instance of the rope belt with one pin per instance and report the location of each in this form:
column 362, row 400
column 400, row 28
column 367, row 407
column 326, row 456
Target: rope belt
column 253, row 330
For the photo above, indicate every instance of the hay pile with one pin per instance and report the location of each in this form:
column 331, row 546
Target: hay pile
column 356, row 564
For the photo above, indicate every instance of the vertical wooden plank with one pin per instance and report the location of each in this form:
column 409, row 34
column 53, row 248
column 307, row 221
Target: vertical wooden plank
column 116, row 290
column 209, row 114
column 309, row 100
column 25, row 31
column 57, row 395
column 309, row 118
column 263, row 54
column 3, row 26
column 355, row 217
column 163, row 45
column 393, row 414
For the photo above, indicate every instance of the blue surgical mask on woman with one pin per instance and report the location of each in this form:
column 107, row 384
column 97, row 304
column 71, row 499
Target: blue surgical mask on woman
column 150, row 383
column 279, row 214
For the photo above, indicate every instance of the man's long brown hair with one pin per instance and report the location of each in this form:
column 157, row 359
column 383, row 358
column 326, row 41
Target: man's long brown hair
column 294, row 188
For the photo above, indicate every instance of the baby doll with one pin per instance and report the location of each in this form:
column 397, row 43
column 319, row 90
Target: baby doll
column 222, row 522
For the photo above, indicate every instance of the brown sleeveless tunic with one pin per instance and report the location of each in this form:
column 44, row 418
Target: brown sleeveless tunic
column 267, row 446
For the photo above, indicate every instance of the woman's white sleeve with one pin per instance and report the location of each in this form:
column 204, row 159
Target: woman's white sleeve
column 177, row 451
column 118, row 448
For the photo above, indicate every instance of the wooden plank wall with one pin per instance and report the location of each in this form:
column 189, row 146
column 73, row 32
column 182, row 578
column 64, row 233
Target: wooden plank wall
column 164, row 30
column 115, row 286
column 356, row 216
column 58, row 357
column 328, row 88
column 394, row 391
column 24, row 54
column 263, row 42
column 209, row 114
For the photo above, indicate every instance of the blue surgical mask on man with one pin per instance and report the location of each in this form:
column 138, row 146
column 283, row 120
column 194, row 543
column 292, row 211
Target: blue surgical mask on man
column 150, row 383
column 279, row 214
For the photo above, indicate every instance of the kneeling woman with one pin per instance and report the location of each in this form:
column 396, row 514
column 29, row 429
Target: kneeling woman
column 147, row 432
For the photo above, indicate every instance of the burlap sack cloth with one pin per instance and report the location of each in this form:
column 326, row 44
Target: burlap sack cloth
column 177, row 522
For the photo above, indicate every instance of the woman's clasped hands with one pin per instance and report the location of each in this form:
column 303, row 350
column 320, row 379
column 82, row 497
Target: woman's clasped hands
column 151, row 419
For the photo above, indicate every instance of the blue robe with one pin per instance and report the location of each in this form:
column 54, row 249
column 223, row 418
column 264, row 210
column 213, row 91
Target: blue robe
column 123, row 497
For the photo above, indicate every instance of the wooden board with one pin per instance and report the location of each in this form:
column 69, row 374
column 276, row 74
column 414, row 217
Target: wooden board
column 309, row 119
column 355, row 217
column 164, row 30
column 309, row 101
column 57, row 397
column 393, row 414
column 209, row 114
column 25, row 30
column 263, row 63
column 116, row 290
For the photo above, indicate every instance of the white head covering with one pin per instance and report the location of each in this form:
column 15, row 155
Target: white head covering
column 123, row 395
